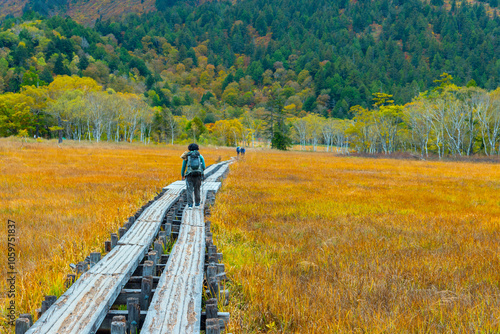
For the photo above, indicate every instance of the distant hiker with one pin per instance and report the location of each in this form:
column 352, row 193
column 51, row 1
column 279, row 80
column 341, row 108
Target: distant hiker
column 192, row 171
column 242, row 150
column 238, row 150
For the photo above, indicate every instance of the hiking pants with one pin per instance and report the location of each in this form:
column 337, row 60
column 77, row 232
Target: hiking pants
column 193, row 184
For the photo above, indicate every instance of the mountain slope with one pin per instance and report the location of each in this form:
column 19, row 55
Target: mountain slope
column 327, row 56
column 86, row 12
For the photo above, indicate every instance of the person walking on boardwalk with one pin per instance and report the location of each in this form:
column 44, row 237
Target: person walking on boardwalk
column 193, row 166
column 238, row 150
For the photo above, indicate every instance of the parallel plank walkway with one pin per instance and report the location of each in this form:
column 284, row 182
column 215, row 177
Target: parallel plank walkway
column 83, row 307
column 176, row 305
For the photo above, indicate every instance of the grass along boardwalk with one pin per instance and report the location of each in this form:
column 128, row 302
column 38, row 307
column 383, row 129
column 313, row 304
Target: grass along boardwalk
column 87, row 303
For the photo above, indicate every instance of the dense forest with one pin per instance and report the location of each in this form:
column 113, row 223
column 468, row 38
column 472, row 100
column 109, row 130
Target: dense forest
column 270, row 61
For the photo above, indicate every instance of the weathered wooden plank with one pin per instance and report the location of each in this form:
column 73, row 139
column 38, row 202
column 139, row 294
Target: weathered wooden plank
column 176, row 305
column 84, row 305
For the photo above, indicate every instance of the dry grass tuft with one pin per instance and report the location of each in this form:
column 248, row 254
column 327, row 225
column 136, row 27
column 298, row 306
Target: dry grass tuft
column 321, row 244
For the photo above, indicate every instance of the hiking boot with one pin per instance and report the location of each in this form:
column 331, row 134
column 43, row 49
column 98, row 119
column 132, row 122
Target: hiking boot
column 197, row 205
column 190, row 206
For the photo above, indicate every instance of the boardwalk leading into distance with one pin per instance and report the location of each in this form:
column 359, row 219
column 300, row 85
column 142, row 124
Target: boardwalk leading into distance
column 176, row 305
column 84, row 306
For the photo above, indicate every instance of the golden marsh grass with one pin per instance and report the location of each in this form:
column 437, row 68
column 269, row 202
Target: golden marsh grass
column 321, row 244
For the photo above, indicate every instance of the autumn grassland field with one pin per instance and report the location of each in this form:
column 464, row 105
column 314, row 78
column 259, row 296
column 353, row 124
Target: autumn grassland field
column 67, row 199
column 312, row 242
column 316, row 243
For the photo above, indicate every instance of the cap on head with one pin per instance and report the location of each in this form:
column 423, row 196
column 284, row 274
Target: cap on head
column 193, row 147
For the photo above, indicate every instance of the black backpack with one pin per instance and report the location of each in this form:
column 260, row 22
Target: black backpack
column 194, row 163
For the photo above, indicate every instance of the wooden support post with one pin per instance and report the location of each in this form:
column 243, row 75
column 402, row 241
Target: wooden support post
column 70, row 279
column 211, row 272
column 212, row 250
column 22, row 325
column 45, row 307
column 122, row 231
column 153, row 256
column 219, row 257
column 168, row 229
column 107, row 246
column 162, row 236
column 213, row 326
column 212, row 308
column 118, row 327
column 131, row 220
column 27, row 316
column 114, row 240
column 212, row 254
column 146, row 287
column 50, row 300
column 81, row 267
column 134, row 312
column 147, row 268
column 214, row 288
column 94, row 258
column 220, row 268
column 158, row 247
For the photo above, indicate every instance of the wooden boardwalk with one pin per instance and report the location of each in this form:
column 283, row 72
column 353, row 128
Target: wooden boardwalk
column 84, row 306
column 176, row 305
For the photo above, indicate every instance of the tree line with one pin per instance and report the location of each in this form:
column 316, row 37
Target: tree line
column 449, row 120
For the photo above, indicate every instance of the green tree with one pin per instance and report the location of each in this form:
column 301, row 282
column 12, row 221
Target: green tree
column 196, row 128
column 59, row 67
column 83, row 63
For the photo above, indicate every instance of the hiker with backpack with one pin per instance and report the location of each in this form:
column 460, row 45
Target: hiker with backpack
column 193, row 166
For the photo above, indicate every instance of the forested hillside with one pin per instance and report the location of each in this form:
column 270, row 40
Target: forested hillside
column 271, row 60
column 351, row 49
